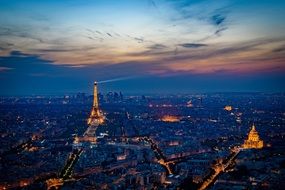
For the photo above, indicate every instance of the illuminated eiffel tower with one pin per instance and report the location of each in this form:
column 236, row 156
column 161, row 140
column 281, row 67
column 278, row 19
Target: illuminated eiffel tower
column 95, row 118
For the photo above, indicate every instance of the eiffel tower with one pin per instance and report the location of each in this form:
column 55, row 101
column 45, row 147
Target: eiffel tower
column 95, row 117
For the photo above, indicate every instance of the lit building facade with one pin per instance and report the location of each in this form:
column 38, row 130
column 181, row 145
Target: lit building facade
column 228, row 108
column 170, row 118
column 253, row 140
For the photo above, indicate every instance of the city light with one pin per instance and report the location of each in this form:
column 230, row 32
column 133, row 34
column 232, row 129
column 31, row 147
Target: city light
column 142, row 95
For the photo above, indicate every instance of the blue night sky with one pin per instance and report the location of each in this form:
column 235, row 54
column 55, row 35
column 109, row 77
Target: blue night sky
column 147, row 46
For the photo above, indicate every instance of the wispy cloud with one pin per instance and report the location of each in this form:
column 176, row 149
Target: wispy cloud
column 279, row 49
column 218, row 19
column 157, row 47
column 177, row 38
column 192, row 45
column 3, row 69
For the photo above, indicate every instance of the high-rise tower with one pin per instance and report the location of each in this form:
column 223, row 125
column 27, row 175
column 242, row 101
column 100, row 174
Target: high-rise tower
column 95, row 117
column 95, row 97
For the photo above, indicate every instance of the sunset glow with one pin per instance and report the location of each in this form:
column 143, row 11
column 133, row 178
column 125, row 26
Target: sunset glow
column 148, row 38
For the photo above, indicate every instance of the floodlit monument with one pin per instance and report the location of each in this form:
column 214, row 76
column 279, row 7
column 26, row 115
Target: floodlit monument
column 95, row 117
column 253, row 140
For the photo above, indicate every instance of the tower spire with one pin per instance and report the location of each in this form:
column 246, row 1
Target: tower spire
column 95, row 116
column 95, row 97
column 253, row 127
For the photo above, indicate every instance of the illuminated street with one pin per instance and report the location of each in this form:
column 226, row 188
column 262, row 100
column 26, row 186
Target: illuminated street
column 219, row 168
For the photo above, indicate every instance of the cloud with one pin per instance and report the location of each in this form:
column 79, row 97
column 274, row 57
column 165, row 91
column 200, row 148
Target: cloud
column 109, row 34
column 40, row 18
column 220, row 30
column 220, row 50
column 249, row 56
column 3, row 69
column 157, row 47
column 139, row 40
column 218, row 19
column 58, row 49
column 89, row 30
column 27, row 64
column 153, row 4
column 18, row 54
column 192, row 45
column 25, row 33
column 215, row 34
column 279, row 49
column 44, row 76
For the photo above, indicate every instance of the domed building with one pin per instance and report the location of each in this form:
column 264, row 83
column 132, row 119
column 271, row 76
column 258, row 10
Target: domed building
column 253, row 140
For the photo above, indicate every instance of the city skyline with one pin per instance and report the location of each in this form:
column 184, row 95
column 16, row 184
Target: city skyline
column 153, row 46
column 142, row 94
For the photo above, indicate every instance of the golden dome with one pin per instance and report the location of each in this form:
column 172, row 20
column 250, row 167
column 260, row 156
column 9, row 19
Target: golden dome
column 253, row 140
